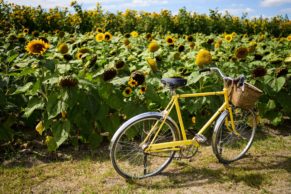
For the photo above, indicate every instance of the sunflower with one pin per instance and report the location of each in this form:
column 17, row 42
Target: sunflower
column 134, row 34
column 44, row 39
column 99, row 30
column 252, row 47
column 170, row 40
column 138, row 76
column 228, row 37
column 100, row 37
column 107, row 36
column 132, row 83
column 259, row 72
column 25, row 30
column 119, row 64
column 203, row 58
column 289, row 38
column 109, row 74
column 126, row 42
column 181, row 48
column 61, row 34
column 37, row 47
column 127, row 92
column 148, row 36
column 152, row 63
column 281, row 71
column 241, row 52
column 63, row 48
column 193, row 119
column 127, row 35
column 189, row 38
column 142, row 90
column 192, row 45
column 39, row 127
column 68, row 81
column 153, row 46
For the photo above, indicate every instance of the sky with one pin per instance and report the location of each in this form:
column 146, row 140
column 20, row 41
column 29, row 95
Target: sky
column 254, row 8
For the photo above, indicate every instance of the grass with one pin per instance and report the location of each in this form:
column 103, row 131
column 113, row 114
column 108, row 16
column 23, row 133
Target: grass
column 265, row 169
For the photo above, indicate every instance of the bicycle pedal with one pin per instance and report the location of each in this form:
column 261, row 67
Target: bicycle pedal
column 200, row 138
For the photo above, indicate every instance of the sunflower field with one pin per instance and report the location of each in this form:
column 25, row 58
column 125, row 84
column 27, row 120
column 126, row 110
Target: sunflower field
column 67, row 78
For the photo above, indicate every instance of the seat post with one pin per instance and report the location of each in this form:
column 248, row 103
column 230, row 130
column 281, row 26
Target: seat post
column 172, row 91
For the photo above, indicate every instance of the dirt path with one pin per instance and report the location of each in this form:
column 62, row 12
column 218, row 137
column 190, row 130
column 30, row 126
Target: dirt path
column 266, row 169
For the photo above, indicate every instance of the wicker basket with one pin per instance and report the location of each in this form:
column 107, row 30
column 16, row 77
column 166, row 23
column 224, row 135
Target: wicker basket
column 244, row 99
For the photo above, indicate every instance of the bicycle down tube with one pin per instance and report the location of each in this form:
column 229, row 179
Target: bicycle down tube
column 158, row 147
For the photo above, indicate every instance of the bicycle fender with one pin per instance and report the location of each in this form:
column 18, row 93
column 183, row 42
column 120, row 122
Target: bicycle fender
column 138, row 117
column 219, row 120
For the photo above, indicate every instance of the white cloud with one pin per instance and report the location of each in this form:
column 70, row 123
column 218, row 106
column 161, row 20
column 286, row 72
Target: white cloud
column 284, row 11
column 237, row 11
column 271, row 3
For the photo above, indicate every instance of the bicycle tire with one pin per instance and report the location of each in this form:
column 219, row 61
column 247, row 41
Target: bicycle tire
column 228, row 146
column 129, row 159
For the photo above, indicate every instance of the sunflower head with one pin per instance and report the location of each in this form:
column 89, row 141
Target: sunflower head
column 170, row 40
column 68, row 81
column 99, row 30
column 132, row 83
column 148, row 36
column 138, row 76
column 210, row 41
column 37, row 47
column 107, row 36
column 181, row 48
column 153, row 46
column 127, row 35
column 252, row 47
column 109, row 74
column 259, row 72
column 100, row 37
column 63, row 48
column 192, row 45
column 241, row 52
column 203, row 57
column 119, row 64
column 189, row 38
column 228, row 37
column 289, row 38
column 25, row 30
column 142, row 89
column 281, row 71
column 126, row 42
column 68, row 57
column 134, row 34
column 21, row 38
column 84, row 50
column 152, row 63
column 127, row 92
column 44, row 39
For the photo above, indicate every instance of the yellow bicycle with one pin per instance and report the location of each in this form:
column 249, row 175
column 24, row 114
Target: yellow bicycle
column 145, row 145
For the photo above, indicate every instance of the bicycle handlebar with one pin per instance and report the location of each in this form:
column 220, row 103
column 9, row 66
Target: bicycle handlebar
column 239, row 81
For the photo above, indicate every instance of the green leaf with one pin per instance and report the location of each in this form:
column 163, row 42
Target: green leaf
column 54, row 106
column 12, row 58
column 61, row 131
column 23, row 89
column 34, row 103
column 271, row 105
column 95, row 140
column 277, row 83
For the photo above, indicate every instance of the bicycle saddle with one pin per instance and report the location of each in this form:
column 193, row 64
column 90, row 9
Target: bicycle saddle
column 174, row 82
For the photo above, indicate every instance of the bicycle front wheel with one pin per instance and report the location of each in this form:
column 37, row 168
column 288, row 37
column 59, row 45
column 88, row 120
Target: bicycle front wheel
column 128, row 156
column 228, row 145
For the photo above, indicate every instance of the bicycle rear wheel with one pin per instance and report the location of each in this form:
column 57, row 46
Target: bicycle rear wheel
column 229, row 146
column 126, row 153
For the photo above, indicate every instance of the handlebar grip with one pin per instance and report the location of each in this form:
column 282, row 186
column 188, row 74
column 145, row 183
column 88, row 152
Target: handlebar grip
column 204, row 70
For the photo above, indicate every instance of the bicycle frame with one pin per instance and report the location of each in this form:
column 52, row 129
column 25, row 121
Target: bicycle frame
column 175, row 145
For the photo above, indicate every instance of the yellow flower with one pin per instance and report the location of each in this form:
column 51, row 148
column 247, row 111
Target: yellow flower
column 127, row 92
column 25, row 30
column 100, row 37
column 134, row 34
column 289, row 38
column 153, row 64
column 142, row 90
column 126, row 42
column 233, row 34
column 228, row 37
column 170, row 40
column 39, row 127
column 203, row 58
column 99, row 30
column 63, row 48
column 193, row 119
column 132, row 83
column 37, row 47
column 153, row 46
column 107, row 36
